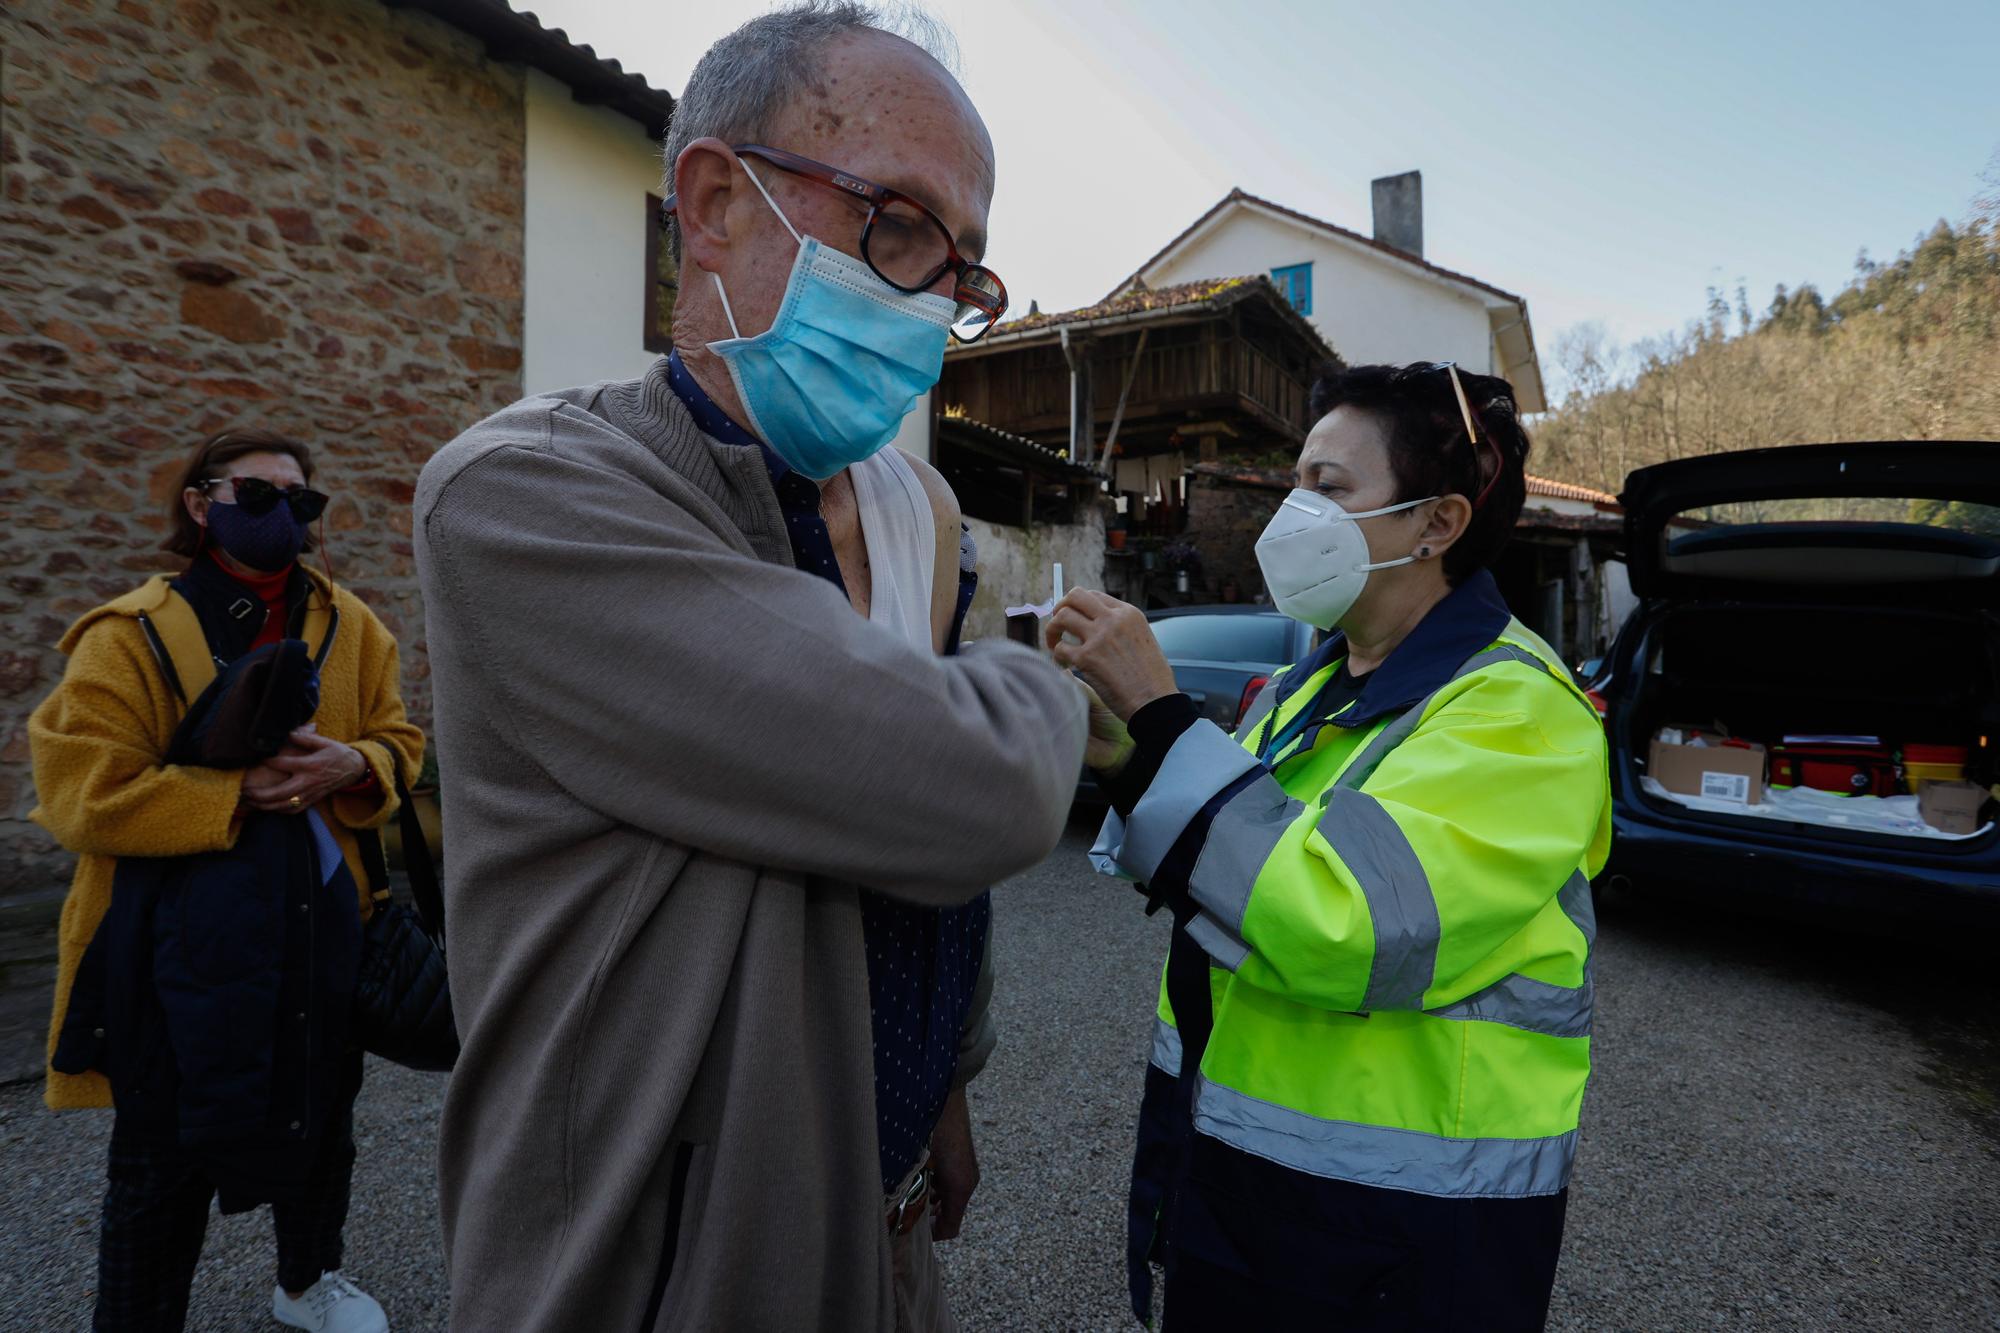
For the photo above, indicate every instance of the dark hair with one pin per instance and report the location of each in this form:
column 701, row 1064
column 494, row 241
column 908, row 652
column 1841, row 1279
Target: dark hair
column 209, row 462
column 1428, row 449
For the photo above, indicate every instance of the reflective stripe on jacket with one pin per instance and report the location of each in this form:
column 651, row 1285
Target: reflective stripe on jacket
column 1397, row 912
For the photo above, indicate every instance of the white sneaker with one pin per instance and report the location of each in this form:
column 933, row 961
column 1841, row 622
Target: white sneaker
column 330, row 1305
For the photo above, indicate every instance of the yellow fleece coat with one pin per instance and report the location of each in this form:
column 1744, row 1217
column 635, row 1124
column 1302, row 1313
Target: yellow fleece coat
column 97, row 744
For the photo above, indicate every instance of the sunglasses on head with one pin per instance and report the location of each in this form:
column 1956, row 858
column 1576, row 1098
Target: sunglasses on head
column 258, row 497
column 1465, row 411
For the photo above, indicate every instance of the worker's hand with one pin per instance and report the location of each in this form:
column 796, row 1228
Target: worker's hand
column 309, row 769
column 1114, row 651
column 955, row 1166
column 1110, row 745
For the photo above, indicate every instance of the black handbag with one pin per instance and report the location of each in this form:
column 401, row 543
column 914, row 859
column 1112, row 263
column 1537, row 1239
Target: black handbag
column 402, row 1000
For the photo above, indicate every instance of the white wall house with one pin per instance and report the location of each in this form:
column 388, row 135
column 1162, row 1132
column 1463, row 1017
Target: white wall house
column 1374, row 298
column 591, row 234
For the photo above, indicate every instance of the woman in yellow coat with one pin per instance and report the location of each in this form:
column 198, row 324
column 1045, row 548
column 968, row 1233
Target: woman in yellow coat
column 241, row 518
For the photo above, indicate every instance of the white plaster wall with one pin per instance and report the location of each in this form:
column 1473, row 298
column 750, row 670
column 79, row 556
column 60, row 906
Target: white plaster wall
column 1559, row 504
column 1619, row 601
column 588, row 173
column 914, row 435
column 1369, row 308
column 1014, row 566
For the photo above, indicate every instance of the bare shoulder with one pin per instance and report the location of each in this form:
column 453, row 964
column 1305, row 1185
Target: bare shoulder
column 944, row 501
column 945, row 514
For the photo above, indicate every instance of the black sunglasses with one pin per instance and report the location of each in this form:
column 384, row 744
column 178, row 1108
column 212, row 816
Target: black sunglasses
column 258, row 497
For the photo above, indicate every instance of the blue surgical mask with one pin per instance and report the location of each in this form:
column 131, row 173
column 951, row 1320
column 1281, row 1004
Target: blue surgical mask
column 847, row 357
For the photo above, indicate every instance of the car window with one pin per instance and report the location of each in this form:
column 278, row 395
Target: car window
column 1950, row 515
column 1253, row 638
column 1835, row 540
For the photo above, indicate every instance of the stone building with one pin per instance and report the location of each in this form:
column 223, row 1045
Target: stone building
column 365, row 223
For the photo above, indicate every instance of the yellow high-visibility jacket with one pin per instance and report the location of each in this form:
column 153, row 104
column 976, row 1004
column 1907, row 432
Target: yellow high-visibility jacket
column 1395, row 902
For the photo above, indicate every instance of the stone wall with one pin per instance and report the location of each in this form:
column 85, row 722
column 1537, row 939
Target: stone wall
column 299, row 214
column 1014, row 565
column 1225, row 518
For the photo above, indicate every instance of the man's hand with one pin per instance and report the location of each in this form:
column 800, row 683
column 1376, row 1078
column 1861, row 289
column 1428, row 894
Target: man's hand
column 311, row 767
column 1115, row 651
column 1110, row 745
column 955, row 1164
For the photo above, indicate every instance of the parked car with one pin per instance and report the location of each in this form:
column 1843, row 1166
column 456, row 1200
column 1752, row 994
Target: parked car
column 1221, row 656
column 1846, row 589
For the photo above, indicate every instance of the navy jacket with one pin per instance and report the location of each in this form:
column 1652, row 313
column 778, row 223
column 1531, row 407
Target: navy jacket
column 216, row 994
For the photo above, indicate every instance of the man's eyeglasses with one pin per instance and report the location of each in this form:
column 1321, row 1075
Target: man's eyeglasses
column 906, row 244
column 258, row 497
column 1464, row 411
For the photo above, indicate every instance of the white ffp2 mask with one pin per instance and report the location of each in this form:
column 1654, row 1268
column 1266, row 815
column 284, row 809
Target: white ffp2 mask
column 1315, row 557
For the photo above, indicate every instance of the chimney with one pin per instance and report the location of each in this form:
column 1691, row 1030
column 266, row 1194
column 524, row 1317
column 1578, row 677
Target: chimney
column 1399, row 212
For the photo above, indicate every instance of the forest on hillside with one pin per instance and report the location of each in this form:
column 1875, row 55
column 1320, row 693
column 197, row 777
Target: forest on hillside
column 1909, row 349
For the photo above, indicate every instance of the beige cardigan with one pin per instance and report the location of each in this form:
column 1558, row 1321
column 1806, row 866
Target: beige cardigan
column 671, row 757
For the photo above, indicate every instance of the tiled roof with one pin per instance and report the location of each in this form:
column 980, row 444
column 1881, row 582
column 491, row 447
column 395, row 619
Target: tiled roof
column 1131, row 301
column 517, row 35
column 1134, row 302
column 1244, row 196
column 1006, row 443
column 1562, row 490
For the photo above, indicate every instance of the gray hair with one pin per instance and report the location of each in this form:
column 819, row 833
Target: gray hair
column 749, row 78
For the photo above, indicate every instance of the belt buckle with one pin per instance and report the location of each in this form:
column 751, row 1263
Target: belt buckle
column 913, row 1197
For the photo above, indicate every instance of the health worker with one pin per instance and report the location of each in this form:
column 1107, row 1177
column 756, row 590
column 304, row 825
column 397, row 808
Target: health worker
column 1373, row 1032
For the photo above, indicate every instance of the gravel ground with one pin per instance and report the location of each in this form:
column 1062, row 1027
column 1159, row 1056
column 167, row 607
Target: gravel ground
column 1784, row 1132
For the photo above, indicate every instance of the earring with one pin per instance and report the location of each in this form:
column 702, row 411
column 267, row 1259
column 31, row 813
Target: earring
column 1424, row 551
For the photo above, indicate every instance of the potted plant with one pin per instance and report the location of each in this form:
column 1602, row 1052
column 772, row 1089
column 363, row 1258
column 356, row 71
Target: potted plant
column 1181, row 555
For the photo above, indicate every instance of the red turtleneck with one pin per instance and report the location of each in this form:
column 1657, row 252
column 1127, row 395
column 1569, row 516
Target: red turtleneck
column 270, row 590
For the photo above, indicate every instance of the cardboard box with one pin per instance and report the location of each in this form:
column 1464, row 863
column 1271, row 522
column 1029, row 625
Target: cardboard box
column 1951, row 807
column 1693, row 762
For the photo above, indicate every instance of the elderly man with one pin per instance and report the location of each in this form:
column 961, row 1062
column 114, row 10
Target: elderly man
column 717, row 840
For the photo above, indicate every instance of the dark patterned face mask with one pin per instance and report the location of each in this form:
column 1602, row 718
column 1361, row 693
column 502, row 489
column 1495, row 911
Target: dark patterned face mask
column 268, row 542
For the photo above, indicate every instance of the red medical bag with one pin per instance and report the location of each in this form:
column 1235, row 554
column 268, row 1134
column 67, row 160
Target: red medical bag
column 1853, row 770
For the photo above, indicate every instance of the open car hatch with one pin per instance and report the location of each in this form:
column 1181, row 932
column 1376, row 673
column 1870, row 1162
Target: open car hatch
column 1911, row 521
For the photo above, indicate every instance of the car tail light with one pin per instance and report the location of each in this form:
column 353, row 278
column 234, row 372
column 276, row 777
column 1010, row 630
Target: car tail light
column 1600, row 703
column 1250, row 696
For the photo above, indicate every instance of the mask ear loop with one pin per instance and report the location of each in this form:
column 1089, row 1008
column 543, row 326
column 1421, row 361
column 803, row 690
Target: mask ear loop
column 727, row 313
column 772, row 202
column 201, row 541
column 325, row 556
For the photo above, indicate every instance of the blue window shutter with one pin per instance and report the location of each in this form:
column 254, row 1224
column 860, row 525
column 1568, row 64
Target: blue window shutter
column 1295, row 282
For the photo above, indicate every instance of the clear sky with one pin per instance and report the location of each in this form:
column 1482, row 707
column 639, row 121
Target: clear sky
column 1607, row 160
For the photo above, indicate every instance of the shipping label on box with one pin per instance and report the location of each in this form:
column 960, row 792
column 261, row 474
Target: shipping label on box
column 1726, row 787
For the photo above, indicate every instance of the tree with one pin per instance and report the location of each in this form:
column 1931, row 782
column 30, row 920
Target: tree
column 1909, row 349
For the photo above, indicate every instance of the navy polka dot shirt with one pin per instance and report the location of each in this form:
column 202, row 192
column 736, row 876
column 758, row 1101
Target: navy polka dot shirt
column 923, row 962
